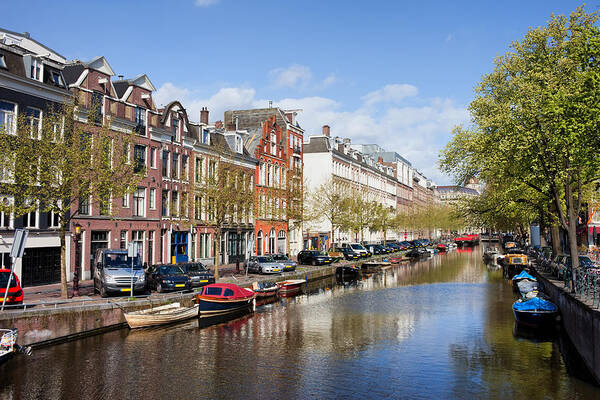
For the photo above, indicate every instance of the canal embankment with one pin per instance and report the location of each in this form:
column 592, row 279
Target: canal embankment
column 580, row 320
column 46, row 324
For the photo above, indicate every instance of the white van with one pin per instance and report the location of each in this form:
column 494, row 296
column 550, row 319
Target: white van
column 359, row 248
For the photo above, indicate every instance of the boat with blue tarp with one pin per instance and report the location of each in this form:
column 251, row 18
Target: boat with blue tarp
column 524, row 283
column 535, row 312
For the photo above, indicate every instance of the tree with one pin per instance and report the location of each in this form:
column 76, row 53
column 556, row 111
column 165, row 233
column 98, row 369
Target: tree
column 383, row 220
column 227, row 194
column 536, row 119
column 62, row 163
column 358, row 212
column 328, row 201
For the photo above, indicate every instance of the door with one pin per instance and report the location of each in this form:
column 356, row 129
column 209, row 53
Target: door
column 99, row 240
column 40, row 266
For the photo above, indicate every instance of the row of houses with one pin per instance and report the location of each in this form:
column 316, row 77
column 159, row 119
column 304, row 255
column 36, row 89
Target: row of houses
column 166, row 216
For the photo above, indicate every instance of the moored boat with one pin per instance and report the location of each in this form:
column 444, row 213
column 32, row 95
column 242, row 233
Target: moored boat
column 162, row 315
column 535, row 312
column 524, row 283
column 222, row 298
column 9, row 346
column 265, row 289
column 290, row 286
column 347, row 272
column 442, row 247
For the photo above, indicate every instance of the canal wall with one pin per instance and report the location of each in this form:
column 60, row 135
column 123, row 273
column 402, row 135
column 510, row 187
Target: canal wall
column 45, row 325
column 580, row 321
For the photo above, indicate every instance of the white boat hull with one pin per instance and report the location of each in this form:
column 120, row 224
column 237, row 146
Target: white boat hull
column 160, row 315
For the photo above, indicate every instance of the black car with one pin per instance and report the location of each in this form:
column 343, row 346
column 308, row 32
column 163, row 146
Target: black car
column 199, row 275
column 313, row 257
column 375, row 249
column 349, row 254
column 168, row 277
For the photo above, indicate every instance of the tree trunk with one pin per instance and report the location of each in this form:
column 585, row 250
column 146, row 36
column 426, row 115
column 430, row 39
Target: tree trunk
column 332, row 242
column 64, row 289
column 555, row 235
column 384, row 236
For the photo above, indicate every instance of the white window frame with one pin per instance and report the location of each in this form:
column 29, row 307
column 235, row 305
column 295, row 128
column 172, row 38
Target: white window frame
column 152, row 198
column 52, row 215
column 135, row 205
column 126, row 200
column 153, row 154
column 31, row 121
column 4, row 215
column 12, row 121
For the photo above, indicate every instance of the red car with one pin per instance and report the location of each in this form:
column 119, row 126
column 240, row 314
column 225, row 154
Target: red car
column 15, row 293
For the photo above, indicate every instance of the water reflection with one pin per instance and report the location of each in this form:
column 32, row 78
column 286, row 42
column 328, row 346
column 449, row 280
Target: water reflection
column 441, row 327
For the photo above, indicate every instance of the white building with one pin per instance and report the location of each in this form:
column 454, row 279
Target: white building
column 333, row 159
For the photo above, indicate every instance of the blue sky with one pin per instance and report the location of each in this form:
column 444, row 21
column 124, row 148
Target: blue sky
column 397, row 73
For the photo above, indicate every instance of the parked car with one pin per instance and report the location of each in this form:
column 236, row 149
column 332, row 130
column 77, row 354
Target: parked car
column 168, row 277
column 375, row 249
column 263, row 265
column 313, row 257
column 114, row 273
column 359, row 248
column 348, row 253
column 286, row 263
column 15, row 292
column 199, row 275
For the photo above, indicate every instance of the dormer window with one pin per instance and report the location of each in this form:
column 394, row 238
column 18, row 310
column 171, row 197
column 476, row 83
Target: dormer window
column 57, row 79
column 36, row 69
column 175, row 124
column 140, row 120
column 205, row 136
column 3, row 62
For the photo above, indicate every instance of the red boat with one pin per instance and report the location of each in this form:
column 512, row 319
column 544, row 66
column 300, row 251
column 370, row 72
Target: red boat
column 290, row 286
column 222, row 298
column 442, row 247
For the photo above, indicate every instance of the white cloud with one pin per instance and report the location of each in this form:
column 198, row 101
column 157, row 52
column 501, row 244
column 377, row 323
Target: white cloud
column 292, row 76
column 415, row 132
column 390, row 94
column 330, row 80
column 205, row 3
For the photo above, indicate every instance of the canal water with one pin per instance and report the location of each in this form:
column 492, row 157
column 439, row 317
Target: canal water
column 440, row 328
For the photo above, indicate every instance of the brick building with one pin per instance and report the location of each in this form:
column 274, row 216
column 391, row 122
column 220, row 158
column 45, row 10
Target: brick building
column 31, row 84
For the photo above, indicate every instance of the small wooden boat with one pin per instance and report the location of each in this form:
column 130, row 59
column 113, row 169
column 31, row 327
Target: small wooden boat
column 265, row 289
column 290, row 286
column 396, row 260
column 162, row 315
column 535, row 312
column 375, row 264
column 223, row 298
column 9, row 346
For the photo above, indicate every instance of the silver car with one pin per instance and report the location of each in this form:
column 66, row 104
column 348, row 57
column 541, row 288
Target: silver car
column 263, row 265
column 286, row 263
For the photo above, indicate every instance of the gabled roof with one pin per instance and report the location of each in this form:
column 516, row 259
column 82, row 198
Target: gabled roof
column 100, row 64
column 33, row 46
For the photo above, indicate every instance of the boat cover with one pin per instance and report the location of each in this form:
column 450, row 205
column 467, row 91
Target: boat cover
column 523, row 275
column 526, row 286
column 535, row 304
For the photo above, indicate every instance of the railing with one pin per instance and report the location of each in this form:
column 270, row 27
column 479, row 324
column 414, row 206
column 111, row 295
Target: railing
column 587, row 285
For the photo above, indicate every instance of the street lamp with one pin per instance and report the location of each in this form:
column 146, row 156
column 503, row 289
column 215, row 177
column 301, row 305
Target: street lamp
column 77, row 260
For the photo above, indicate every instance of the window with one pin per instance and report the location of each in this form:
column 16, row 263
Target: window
column 123, row 240
column 104, row 207
column 153, row 157
column 197, row 207
column 175, row 124
column 140, row 120
column 212, row 167
column 175, row 203
column 273, row 144
column 184, row 205
column 84, row 206
column 5, row 218
column 139, row 156
column 36, row 69
column 137, row 237
column 165, row 203
column 184, row 167
column 139, row 202
column 34, row 120
column 165, row 163
column 96, row 108
column 8, row 117
column 212, row 291
column 205, row 136
column 198, row 170
column 175, row 166
column 30, row 219
column 126, row 200
column 228, row 292
column 3, row 62
column 152, row 199
column 52, row 219
column 57, row 79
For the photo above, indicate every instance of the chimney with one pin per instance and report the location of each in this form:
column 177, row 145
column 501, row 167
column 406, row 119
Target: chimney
column 219, row 124
column 121, row 77
column 326, row 130
column 204, row 116
column 380, row 160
